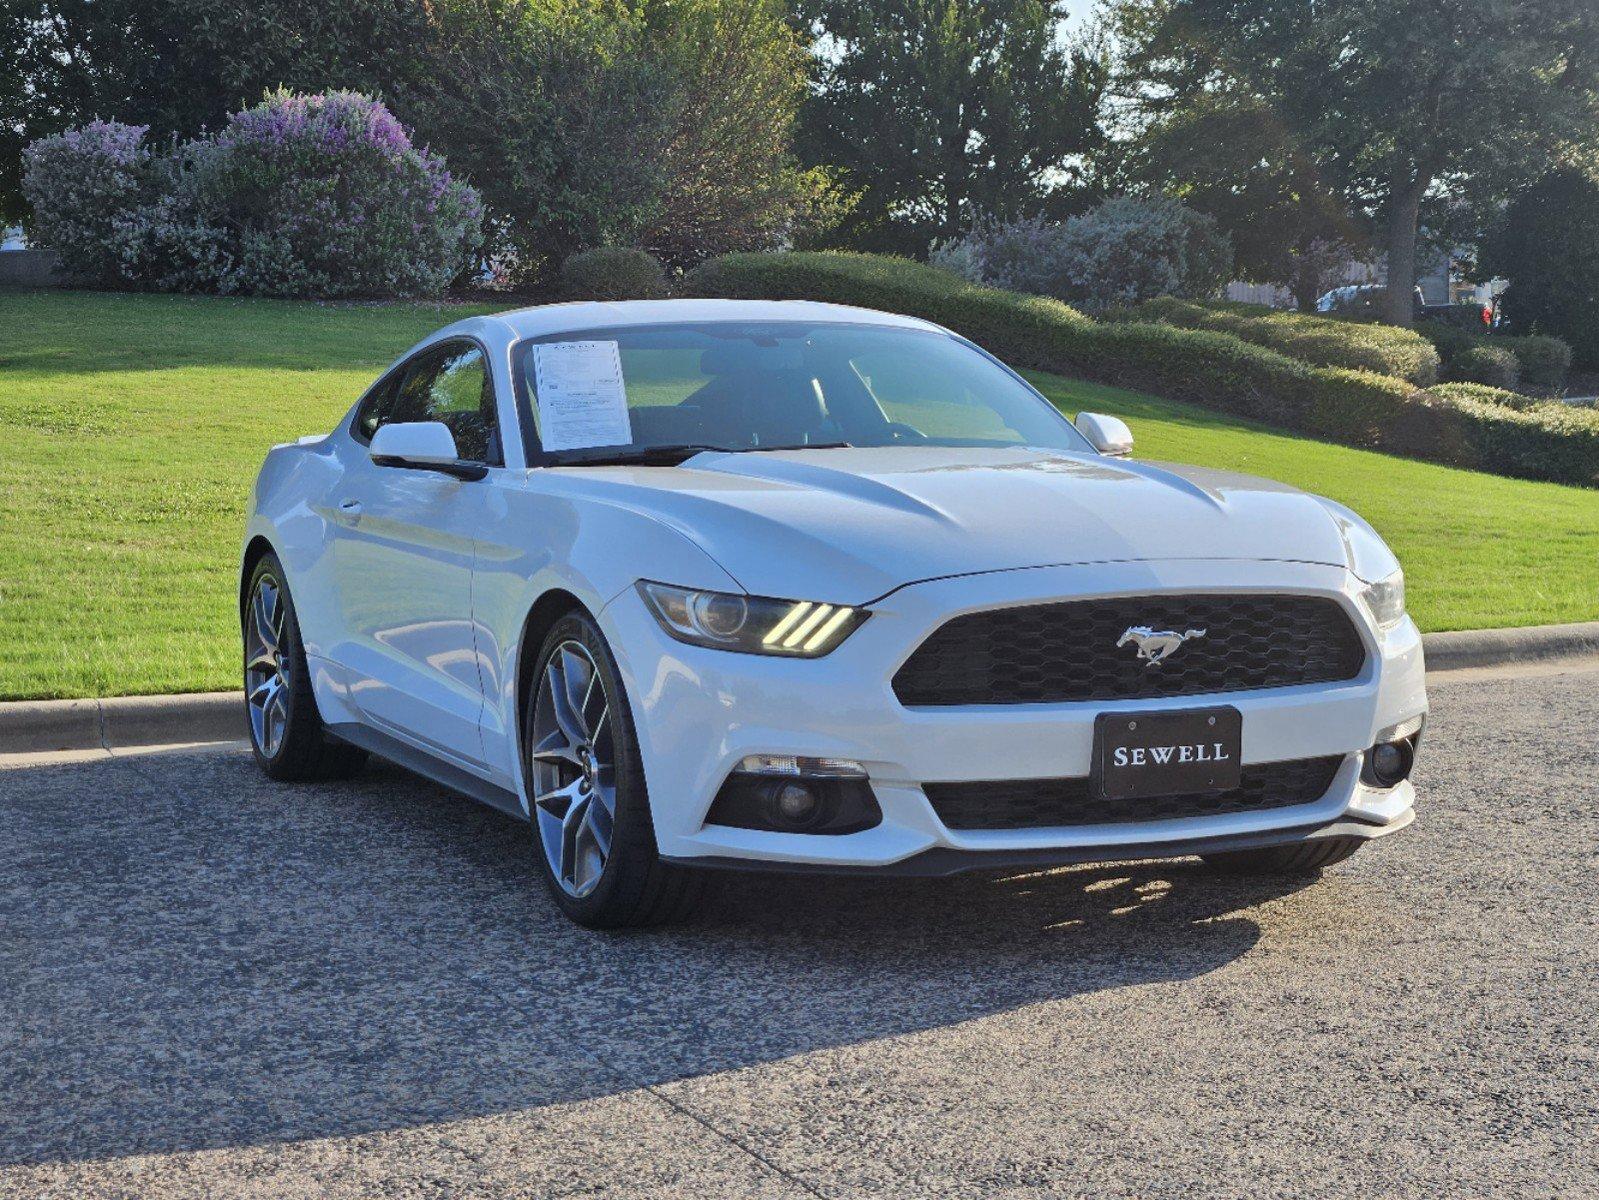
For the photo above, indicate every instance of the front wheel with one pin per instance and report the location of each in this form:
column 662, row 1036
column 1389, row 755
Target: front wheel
column 590, row 809
column 286, row 732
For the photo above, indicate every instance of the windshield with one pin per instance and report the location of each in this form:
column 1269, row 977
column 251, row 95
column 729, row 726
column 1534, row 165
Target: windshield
column 609, row 394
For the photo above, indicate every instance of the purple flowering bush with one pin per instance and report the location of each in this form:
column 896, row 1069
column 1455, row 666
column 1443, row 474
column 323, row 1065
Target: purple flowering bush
column 320, row 195
column 84, row 186
column 326, row 196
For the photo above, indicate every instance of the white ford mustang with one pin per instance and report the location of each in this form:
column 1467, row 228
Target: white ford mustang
column 719, row 583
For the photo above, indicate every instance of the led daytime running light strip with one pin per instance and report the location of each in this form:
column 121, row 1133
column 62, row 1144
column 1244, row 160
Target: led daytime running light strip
column 826, row 632
column 787, row 623
column 817, row 622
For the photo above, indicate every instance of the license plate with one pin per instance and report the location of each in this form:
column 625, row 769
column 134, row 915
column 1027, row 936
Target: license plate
column 1167, row 754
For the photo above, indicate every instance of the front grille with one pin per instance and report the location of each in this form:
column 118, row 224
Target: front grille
column 1039, row 803
column 1048, row 653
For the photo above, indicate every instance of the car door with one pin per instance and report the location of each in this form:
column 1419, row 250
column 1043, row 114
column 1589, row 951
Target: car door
column 402, row 549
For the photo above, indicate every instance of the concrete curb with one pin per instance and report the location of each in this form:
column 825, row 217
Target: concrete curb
column 33, row 726
column 1469, row 648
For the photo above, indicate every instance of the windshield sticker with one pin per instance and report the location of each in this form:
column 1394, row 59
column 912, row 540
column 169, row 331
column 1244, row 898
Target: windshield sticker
column 582, row 399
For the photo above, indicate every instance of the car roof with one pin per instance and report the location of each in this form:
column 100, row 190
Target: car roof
column 545, row 319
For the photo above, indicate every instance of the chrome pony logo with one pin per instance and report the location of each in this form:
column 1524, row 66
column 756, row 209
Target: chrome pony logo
column 1157, row 645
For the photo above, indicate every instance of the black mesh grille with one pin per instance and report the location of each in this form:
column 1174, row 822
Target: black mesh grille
column 1056, row 652
column 1033, row 803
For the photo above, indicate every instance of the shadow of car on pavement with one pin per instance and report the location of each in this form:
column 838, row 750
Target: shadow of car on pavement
column 196, row 958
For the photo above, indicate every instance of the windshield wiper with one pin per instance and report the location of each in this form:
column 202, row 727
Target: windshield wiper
column 641, row 456
column 807, row 446
column 672, row 455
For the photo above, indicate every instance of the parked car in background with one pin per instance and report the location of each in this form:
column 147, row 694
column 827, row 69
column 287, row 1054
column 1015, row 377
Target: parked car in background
column 1365, row 300
column 794, row 586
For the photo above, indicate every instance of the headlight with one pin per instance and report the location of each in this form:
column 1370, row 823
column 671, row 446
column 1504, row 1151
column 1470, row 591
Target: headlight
column 1385, row 600
column 752, row 624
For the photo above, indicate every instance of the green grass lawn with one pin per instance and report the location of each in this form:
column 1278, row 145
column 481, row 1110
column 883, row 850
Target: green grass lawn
column 131, row 428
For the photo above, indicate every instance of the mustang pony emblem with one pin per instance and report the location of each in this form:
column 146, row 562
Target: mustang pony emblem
column 1157, row 645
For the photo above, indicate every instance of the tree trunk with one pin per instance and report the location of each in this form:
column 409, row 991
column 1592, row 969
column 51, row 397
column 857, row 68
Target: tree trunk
column 1404, row 213
column 1306, row 284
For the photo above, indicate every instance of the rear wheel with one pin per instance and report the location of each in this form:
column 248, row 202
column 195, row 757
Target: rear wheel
column 1303, row 858
column 591, row 815
column 286, row 732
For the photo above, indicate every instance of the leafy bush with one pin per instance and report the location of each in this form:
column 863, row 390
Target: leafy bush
column 1466, row 317
column 1213, row 369
column 299, row 196
column 83, row 186
column 1482, row 393
column 1121, row 252
column 1482, row 363
column 613, row 273
column 326, row 196
column 1544, row 360
column 1540, row 363
column 1547, row 246
column 1025, row 330
column 1543, row 441
column 1320, row 341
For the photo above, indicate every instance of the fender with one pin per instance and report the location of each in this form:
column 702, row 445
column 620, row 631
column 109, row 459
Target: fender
column 590, row 549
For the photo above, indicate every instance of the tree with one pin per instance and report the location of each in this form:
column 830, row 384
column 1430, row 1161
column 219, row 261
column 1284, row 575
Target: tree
column 558, row 112
column 1226, row 156
column 938, row 111
column 1392, row 103
column 66, row 62
column 728, row 176
column 1547, row 246
column 1120, row 252
column 582, row 122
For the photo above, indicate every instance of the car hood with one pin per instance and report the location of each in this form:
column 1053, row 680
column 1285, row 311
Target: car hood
column 852, row 524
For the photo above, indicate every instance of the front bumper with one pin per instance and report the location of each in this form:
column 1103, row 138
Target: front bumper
column 698, row 712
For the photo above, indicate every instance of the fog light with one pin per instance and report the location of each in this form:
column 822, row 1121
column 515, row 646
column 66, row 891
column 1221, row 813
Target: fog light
column 794, row 804
column 1387, row 763
column 829, row 804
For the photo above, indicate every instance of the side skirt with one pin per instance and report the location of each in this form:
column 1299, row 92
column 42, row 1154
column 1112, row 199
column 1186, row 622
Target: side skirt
column 424, row 764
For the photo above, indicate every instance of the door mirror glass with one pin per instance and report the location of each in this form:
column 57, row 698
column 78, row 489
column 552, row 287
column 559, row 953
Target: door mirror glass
column 1108, row 435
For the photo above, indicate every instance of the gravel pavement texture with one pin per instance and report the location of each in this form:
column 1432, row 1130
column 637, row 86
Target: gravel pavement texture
column 213, row 986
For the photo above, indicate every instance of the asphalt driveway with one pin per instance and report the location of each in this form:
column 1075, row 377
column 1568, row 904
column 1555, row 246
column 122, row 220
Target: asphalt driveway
column 213, row 986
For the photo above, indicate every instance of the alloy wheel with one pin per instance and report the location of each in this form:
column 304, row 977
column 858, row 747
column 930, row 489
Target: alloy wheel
column 574, row 768
column 266, row 666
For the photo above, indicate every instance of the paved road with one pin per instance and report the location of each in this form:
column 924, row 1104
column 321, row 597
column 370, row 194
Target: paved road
column 214, row 987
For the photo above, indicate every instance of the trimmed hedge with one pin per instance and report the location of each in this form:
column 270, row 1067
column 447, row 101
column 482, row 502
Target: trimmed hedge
column 1216, row 370
column 1319, row 341
column 1544, row 360
column 613, row 273
column 1485, row 394
column 1541, row 362
column 1491, row 366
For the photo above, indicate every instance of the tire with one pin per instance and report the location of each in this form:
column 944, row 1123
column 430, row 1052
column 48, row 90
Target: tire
column 593, row 837
column 286, row 732
column 1303, row 858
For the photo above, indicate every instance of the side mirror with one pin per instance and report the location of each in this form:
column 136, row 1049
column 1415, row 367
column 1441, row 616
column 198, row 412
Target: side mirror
column 1108, row 435
column 423, row 446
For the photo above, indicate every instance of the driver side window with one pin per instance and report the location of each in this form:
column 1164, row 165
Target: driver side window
column 448, row 383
